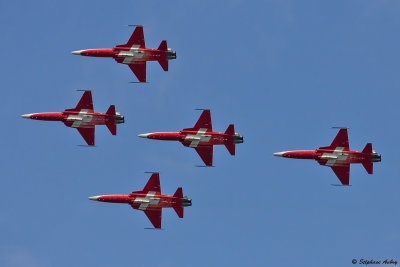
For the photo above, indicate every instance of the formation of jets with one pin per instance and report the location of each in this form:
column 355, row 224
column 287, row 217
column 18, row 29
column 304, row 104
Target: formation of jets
column 201, row 136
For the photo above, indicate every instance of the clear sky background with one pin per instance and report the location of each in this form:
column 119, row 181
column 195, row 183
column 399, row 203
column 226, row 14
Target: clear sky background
column 284, row 72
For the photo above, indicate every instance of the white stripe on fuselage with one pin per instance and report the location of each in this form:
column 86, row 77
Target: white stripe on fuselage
column 80, row 118
column 131, row 55
column 147, row 200
column 336, row 155
column 198, row 137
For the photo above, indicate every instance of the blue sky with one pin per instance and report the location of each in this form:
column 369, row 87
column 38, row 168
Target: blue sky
column 284, row 72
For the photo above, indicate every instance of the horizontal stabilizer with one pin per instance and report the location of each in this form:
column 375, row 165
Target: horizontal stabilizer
column 163, row 46
column 369, row 166
column 179, row 211
column 111, row 110
column 231, row 147
column 230, row 130
column 112, row 128
column 368, row 149
column 178, row 193
column 164, row 64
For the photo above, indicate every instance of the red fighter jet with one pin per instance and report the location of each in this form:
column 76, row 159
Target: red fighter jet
column 83, row 118
column 338, row 156
column 202, row 138
column 135, row 54
column 150, row 200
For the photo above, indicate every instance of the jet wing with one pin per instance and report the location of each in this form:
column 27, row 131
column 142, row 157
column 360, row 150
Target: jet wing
column 341, row 140
column 154, row 216
column 343, row 173
column 86, row 101
column 153, row 184
column 204, row 121
column 139, row 69
column 137, row 37
column 206, row 154
column 87, row 134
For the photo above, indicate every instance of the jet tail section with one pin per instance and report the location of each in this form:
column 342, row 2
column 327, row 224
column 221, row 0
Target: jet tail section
column 163, row 46
column 112, row 128
column 368, row 149
column 164, row 64
column 369, row 166
column 230, row 145
column 179, row 211
column 111, row 124
column 230, row 130
column 111, row 110
column 178, row 193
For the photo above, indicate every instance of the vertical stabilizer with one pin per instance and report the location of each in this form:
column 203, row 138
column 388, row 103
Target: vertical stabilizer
column 111, row 110
column 163, row 46
column 368, row 149
column 111, row 124
column 369, row 166
column 179, row 209
column 230, row 145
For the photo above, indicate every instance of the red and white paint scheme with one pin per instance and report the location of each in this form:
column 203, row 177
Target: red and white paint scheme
column 83, row 118
column 202, row 138
column 134, row 54
column 338, row 156
column 150, row 200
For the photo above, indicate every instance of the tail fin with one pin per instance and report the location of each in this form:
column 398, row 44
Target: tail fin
column 368, row 149
column 164, row 64
column 369, row 166
column 179, row 210
column 163, row 46
column 111, row 125
column 112, row 128
column 111, row 110
column 230, row 130
column 230, row 145
column 178, row 193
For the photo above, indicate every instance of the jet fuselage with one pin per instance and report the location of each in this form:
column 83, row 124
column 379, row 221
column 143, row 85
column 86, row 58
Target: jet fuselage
column 330, row 157
column 199, row 137
column 80, row 118
column 127, row 55
column 146, row 200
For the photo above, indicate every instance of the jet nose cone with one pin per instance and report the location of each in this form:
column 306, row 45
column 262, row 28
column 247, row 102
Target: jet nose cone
column 77, row 52
column 96, row 198
column 27, row 116
column 144, row 135
column 280, row 154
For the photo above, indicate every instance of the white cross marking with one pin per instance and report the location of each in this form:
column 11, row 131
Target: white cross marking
column 336, row 155
column 198, row 137
column 147, row 200
column 80, row 118
column 132, row 54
